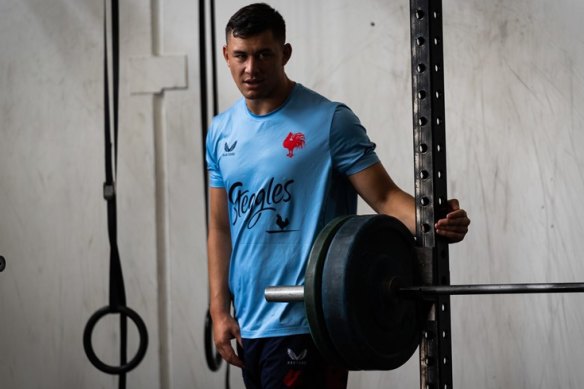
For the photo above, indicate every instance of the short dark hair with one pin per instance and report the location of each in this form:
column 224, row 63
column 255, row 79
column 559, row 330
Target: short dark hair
column 254, row 19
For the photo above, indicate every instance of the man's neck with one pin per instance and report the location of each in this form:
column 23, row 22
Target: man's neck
column 267, row 105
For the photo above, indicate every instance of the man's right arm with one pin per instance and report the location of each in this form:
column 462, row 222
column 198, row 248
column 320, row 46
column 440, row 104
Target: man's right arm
column 225, row 326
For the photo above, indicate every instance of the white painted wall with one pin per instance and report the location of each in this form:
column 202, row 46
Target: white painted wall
column 514, row 80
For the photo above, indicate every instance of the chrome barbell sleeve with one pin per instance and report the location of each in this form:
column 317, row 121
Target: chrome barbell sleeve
column 284, row 293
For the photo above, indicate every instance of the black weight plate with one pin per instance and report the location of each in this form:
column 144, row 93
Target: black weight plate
column 369, row 330
column 312, row 291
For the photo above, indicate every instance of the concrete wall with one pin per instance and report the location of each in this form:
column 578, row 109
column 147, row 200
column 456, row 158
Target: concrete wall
column 514, row 78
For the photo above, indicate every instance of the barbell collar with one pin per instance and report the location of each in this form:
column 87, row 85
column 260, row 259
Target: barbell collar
column 282, row 294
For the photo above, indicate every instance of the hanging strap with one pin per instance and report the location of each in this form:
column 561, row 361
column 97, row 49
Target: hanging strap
column 117, row 294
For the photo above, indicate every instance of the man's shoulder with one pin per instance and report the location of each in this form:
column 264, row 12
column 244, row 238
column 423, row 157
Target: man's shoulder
column 308, row 98
column 305, row 92
column 234, row 109
column 223, row 118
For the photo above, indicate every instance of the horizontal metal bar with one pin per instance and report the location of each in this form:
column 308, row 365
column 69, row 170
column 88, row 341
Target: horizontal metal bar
column 282, row 294
column 430, row 290
column 296, row 293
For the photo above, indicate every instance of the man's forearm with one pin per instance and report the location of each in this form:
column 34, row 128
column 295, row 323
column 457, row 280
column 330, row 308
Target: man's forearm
column 402, row 206
column 379, row 191
column 219, row 252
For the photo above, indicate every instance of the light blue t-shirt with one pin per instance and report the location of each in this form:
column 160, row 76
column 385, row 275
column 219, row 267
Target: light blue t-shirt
column 285, row 175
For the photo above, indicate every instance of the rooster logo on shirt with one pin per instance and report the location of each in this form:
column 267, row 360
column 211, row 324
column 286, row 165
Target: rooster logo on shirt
column 293, row 141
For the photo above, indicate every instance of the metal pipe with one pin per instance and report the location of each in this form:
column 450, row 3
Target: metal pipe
column 282, row 294
column 421, row 291
column 296, row 293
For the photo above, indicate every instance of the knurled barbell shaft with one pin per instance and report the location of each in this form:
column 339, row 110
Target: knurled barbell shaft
column 296, row 293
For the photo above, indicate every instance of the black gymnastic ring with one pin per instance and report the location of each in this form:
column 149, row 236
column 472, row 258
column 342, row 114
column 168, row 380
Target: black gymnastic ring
column 88, row 346
column 211, row 355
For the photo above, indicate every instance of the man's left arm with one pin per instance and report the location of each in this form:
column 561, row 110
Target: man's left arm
column 377, row 188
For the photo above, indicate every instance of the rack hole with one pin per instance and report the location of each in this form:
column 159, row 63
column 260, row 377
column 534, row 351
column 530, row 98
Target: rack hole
column 421, row 94
column 443, row 334
column 437, row 94
column 436, row 68
column 423, row 148
column 420, row 41
column 425, row 227
column 419, row 14
column 421, row 68
column 439, row 174
column 424, row 174
column 422, row 121
column 424, row 201
column 436, row 41
column 437, row 121
column 435, row 14
column 438, row 147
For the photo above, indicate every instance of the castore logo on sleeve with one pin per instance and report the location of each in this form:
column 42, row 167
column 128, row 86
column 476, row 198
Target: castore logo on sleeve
column 229, row 149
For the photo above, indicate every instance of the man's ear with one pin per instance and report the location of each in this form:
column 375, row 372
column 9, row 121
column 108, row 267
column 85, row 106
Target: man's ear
column 226, row 54
column 287, row 52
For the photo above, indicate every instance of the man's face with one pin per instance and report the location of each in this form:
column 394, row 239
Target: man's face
column 257, row 64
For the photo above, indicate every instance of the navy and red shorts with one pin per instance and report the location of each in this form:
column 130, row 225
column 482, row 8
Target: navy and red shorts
column 288, row 362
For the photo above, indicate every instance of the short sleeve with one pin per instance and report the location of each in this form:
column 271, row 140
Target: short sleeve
column 215, row 177
column 351, row 148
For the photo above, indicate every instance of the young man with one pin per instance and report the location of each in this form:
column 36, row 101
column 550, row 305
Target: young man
column 283, row 161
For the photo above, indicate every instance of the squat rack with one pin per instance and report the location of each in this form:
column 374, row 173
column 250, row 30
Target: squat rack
column 430, row 186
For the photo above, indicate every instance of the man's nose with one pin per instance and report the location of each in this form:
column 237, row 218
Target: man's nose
column 251, row 65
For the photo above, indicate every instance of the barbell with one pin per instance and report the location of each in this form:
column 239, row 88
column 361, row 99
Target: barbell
column 364, row 303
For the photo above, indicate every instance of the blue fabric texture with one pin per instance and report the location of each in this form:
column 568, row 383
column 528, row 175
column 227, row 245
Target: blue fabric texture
column 285, row 175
